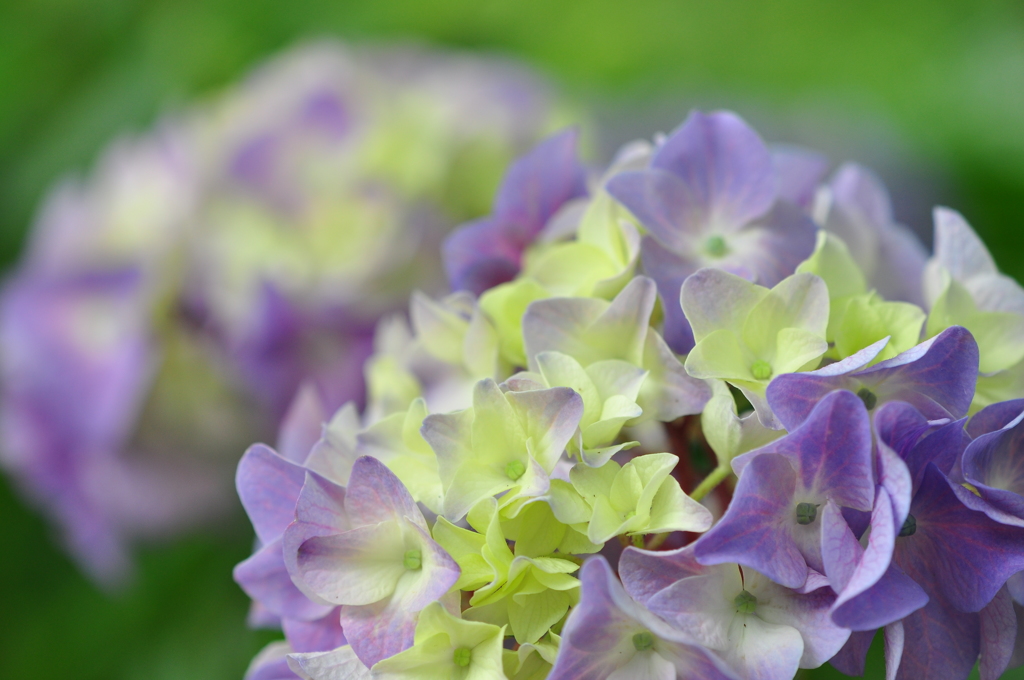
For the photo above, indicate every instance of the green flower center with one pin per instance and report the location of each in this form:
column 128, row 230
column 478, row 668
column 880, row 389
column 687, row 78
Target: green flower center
column 761, row 369
column 715, row 246
column 806, row 513
column 643, row 641
column 745, row 602
column 462, row 656
column 412, row 560
column 868, row 397
column 515, row 470
column 909, row 527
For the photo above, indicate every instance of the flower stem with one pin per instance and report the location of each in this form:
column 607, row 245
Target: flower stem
column 717, row 476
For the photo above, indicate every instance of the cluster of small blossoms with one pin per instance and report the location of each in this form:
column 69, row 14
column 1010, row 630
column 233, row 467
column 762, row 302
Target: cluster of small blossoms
column 170, row 303
column 522, row 496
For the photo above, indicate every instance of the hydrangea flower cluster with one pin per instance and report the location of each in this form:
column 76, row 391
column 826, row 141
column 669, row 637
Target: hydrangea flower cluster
column 528, row 492
column 170, row 304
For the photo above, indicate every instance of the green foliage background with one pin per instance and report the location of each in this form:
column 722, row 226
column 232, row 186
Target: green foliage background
column 947, row 77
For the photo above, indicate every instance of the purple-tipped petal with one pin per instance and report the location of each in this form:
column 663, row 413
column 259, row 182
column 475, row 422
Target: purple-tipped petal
column 725, row 163
column 265, row 579
column 379, row 630
column 375, row 494
column 478, row 257
column 539, row 183
column 268, row 485
column 645, row 572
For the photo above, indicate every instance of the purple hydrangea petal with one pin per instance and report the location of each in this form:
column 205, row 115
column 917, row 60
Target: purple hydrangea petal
column 319, row 511
column 478, row 256
column 832, row 450
column 872, row 591
column 754, row 531
column 645, row 572
column 375, row 494
column 857, row 187
column 937, row 377
column 956, row 552
column 302, row 424
column 998, row 622
column 597, row 637
column 800, row 171
column 268, row 485
column 724, row 162
column 994, row 464
column 540, row 182
column 669, row 270
column 941, row 448
column 487, row 252
column 315, row 636
column 994, row 417
column 852, row 658
column 379, row 630
column 336, row 664
column 769, row 250
column 264, row 578
column 361, row 566
column 673, row 211
column 941, row 643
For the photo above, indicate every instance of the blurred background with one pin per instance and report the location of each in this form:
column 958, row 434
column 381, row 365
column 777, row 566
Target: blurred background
column 930, row 94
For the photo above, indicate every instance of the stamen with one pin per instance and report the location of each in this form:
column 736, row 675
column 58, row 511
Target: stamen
column 806, row 513
column 761, row 369
column 413, row 560
column 643, row 641
column 745, row 602
column 515, row 470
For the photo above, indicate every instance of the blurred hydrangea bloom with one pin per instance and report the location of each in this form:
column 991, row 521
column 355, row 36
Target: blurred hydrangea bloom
column 170, row 303
column 808, row 473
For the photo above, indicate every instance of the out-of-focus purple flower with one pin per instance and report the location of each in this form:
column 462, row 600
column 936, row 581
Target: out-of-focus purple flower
column 610, row 635
column 760, row 628
column 770, row 524
column 855, row 206
column 936, row 377
column 269, row 230
column 489, row 251
column 78, row 359
column 710, row 198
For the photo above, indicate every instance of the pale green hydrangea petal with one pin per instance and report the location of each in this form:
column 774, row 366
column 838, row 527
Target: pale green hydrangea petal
column 591, row 330
column 796, row 350
column 713, row 299
column 727, row 433
column 720, row 355
column 832, row 262
column 396, row 441
column 505, row 305
column 799, row 301
column 433, row 654
column 998, row 333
